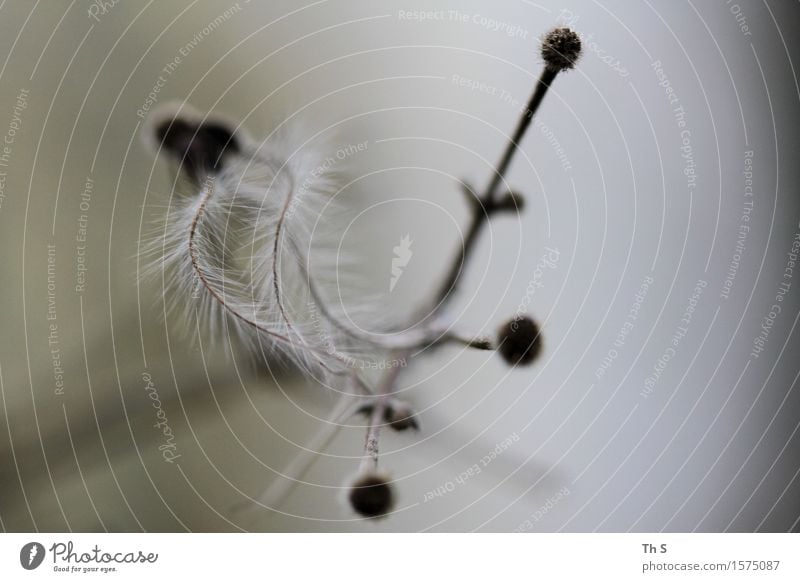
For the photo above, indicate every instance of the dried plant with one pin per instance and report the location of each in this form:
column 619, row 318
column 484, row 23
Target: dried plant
column 246, row 243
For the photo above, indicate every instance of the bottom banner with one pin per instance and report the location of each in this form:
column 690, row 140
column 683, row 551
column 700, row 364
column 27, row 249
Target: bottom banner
column 401, row 557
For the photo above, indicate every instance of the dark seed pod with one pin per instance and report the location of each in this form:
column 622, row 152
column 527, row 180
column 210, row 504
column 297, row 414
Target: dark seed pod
column 397, row 414
column 199, row 147
column 371, row 496
column 400, row 416
column 519, row 341
column 561, row 48
column 198, row 143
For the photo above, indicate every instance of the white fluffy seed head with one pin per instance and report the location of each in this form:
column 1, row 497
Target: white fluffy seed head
column 250, row 248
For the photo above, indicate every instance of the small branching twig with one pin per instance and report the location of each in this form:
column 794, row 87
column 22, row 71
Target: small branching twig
column 519, row 340
column 260, row 308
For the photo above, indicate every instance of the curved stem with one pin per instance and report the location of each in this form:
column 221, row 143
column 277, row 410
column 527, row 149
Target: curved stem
column 404, row 340
column 201, row 276
column 278, row 232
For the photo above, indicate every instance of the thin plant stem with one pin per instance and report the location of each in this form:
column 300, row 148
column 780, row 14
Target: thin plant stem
column 481, row 212
column 487, row 203
column 545, row 80
column 369, row 462
column 292, row 475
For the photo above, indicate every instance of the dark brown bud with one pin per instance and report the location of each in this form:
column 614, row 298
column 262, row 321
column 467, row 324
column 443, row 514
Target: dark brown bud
column 519, row 341
column 561, row 48
column 371, row 496
column 198, row 143
column 397, row 414
column 400, row 416
column 199, row 148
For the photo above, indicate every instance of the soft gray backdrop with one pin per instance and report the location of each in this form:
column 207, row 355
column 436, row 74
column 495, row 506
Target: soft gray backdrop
column 634, row 178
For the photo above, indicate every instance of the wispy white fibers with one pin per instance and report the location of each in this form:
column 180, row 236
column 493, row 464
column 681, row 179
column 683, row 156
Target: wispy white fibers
column 248, row 249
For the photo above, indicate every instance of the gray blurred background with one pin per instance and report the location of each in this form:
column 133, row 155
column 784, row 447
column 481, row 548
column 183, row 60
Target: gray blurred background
column 660, row 181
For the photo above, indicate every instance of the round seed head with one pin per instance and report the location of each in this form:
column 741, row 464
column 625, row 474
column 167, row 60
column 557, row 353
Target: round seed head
column 519, row 341
column 371, row 496
column 561, row 48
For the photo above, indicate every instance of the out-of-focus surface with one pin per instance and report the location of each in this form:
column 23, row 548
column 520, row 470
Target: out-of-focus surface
column 656, row 244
